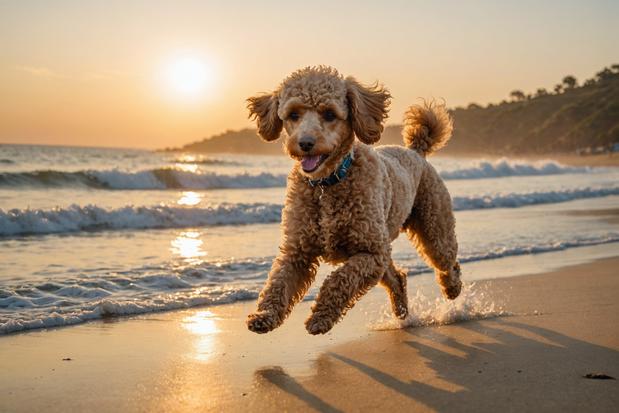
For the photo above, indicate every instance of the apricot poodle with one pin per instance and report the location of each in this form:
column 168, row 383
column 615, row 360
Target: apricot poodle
column 346, row 201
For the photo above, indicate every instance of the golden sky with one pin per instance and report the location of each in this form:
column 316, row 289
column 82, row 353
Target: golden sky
column 164, row 73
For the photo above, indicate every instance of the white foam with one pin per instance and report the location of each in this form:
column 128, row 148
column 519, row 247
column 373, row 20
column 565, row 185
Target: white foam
column 514, row 200
column 153, row 288
column 173, row 177
column 110, row 307
column 472, row 304
column 516, row 250
column 504, row 167
column 162, row 178
column 76, row 218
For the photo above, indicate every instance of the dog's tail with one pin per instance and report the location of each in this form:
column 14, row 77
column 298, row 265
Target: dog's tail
column 427, row 127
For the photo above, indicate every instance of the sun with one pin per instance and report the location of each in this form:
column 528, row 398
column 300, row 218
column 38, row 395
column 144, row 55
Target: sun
column 188, row 76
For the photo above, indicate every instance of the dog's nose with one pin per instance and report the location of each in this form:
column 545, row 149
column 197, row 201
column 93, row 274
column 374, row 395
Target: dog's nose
column 306, row 143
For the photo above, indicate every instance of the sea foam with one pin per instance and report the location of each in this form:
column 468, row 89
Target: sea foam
column 161, row 178
column 179, row 178
column 77, row 218
column 41, row 304
column 504, row 168
column 92, row 218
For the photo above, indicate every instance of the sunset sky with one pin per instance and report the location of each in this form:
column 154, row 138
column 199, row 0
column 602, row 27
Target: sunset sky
column 163, row 73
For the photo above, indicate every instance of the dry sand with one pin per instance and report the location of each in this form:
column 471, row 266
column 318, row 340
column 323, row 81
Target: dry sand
column 562, row 325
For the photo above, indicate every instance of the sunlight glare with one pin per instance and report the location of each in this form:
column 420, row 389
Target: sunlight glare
column 190, row 198
column 191, row 167
column 188, row 76
column 188, row 245
column 203, row 325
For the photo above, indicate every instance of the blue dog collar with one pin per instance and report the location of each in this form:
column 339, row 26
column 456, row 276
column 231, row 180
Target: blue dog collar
column 337, row 176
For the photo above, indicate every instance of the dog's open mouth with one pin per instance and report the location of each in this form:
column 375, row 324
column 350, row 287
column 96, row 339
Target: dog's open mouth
column 310, row 163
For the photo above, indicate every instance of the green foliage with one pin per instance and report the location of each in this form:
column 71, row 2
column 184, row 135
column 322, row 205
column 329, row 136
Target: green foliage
column 570, row 82
column 581, row 117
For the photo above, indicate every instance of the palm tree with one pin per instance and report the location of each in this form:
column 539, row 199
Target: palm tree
column 570, row 82
column 604, row 74
column 517, row 95
column 541, row 92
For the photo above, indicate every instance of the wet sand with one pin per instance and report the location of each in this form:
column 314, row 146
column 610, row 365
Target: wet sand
column 561, row 326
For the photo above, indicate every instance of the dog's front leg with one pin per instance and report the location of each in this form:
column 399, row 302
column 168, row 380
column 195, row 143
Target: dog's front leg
column 343, row 288
column 289, row 279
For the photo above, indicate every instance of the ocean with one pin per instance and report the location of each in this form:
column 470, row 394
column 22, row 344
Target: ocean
column 88, row 233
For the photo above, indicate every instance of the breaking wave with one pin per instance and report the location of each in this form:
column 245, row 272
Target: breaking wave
column 504, row 168
column 175, row 178
column 51, row 303
column 162, row 178
column 92, row 218
column 77, row 218
column 517, row 250
column 515, row 200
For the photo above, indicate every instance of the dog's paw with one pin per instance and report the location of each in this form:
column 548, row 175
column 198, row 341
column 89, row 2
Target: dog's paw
column 450, row 282
column 451, row 291
column 400, row 311
column 262, row 322
column 318, row 324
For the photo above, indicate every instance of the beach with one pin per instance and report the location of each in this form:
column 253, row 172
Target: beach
column 529, row 343
column 127, row 289
column 170, row 172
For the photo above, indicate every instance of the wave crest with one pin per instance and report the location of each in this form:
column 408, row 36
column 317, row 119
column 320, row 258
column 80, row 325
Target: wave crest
column 504, row 168
column 175, row 178
column 92, row 218
column 161, row 178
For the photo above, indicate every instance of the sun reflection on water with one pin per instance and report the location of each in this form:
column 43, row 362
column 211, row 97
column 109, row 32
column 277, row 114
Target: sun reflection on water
column 187, row 158
column 203, row 325
column 187, row 167
column 189, row 198
column 188, row 245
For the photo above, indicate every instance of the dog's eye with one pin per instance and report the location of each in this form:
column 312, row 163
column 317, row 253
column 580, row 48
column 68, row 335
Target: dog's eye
column 328, row 116
column 293, row 116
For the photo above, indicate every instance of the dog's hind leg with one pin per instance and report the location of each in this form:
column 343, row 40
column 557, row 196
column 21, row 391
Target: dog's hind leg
column 394, row 281
column 431, row 227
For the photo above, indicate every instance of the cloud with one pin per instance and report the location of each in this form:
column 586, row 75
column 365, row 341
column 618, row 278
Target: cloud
column 40, row 71
column 45, row 72
column 104, row 74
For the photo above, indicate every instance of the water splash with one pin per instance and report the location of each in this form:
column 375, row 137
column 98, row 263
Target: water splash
column 473, row 304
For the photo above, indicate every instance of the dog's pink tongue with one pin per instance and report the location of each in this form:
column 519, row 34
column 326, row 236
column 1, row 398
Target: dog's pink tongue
column 309, row 163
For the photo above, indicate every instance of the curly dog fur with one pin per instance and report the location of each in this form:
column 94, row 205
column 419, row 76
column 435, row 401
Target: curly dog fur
column 387, row 190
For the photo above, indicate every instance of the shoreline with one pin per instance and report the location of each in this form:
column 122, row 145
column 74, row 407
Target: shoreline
column 562, row 325
column 477, row 270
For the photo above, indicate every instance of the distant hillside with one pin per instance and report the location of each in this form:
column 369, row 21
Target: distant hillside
column 569, row 119
column 241, row 141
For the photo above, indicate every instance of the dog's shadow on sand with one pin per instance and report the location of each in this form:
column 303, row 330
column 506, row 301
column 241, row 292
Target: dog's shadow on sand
column 276, row 376
column 491, row 364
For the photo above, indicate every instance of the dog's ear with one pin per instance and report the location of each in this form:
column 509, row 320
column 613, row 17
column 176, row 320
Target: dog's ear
column 367, row 108
column 263, row 108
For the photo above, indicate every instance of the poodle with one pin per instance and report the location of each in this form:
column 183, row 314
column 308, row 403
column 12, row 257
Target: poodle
column 347, row 201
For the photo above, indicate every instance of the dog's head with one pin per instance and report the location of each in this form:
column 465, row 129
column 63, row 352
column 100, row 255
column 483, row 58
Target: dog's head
column 321, row 112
